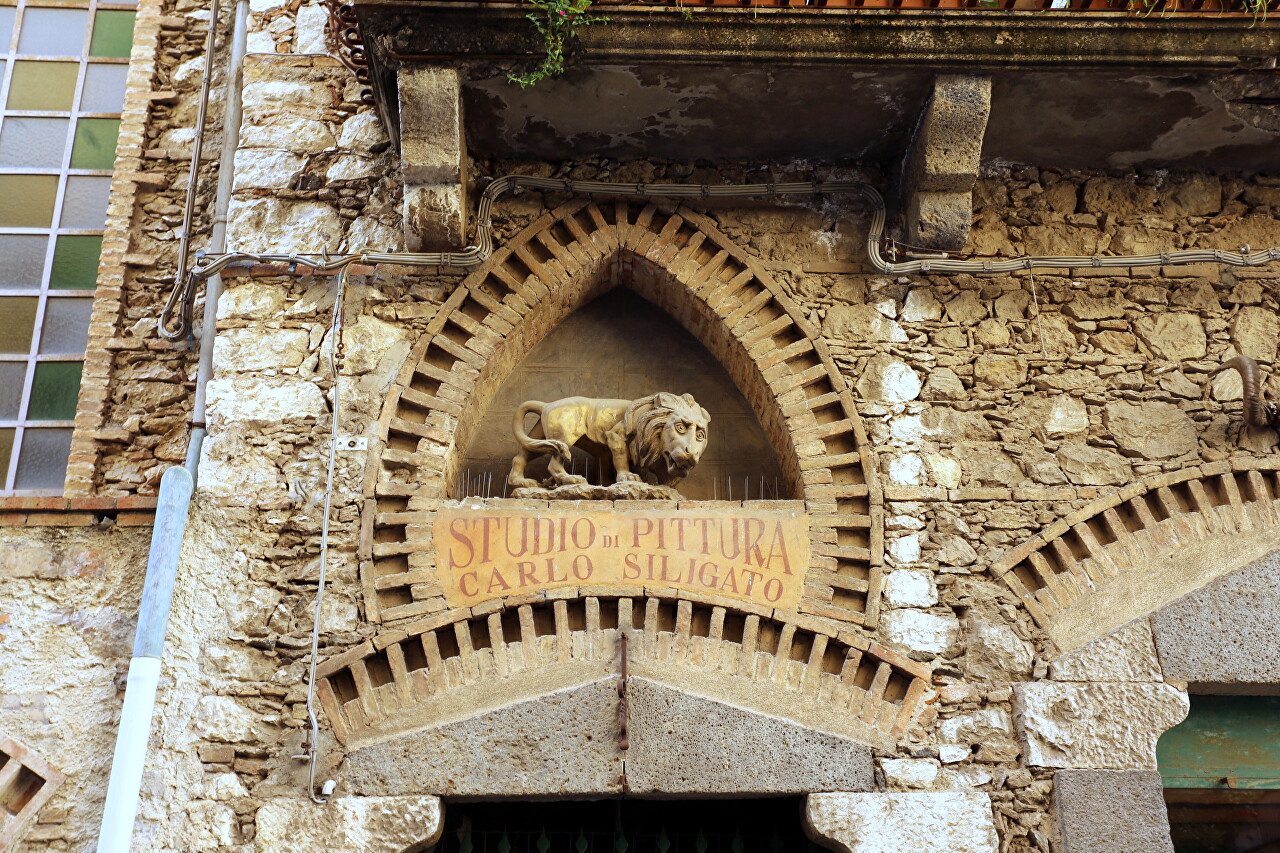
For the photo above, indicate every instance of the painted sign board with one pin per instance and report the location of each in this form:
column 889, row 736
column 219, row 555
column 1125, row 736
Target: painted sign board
column 757, row 556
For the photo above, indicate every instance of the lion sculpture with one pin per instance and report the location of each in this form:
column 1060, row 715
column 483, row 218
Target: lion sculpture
column 655, row 439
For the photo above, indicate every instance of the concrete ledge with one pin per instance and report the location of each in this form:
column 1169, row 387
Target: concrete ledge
column 991, row 39
column 1111, row 811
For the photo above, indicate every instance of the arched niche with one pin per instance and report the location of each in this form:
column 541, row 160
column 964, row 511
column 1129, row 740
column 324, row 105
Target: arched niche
column 621, row 346
column 679, row 262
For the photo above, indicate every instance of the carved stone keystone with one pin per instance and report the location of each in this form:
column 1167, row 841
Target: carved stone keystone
column 942, row 165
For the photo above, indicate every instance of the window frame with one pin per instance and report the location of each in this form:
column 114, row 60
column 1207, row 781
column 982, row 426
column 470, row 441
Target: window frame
column 44, row 292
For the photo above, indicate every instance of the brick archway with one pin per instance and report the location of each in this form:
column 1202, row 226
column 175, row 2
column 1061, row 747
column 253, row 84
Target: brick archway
column 458, row 678
column 678, row 260
column 1126, row 555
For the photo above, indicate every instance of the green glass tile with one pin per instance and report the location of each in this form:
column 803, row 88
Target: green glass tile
column 6, row 450
column 75, row 263
column 48, row 86
column 18, row 323
column 26, row 201
column 95, row 145
column 54, row 390
column 112, row 33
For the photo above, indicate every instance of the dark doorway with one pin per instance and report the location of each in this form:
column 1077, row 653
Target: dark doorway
column 626, row 826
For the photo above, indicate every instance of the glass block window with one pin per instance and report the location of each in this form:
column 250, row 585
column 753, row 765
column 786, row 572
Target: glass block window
column 62, row 77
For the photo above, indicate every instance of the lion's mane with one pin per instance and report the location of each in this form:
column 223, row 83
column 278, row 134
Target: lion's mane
column 645, row 420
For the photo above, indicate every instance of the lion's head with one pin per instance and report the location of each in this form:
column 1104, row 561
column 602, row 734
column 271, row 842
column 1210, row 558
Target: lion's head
column 666, row 434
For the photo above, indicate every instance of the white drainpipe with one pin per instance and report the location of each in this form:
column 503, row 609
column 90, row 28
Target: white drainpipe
column 176, row 487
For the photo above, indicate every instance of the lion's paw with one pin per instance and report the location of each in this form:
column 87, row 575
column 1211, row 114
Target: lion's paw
column 628, row 477
column 570, row 480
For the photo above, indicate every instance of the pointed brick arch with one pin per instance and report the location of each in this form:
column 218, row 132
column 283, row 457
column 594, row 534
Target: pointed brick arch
column 1126, row 555
column 678, row 260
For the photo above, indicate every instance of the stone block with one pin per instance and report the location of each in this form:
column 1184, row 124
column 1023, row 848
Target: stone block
column 259, row 402
column 1173, row 336
column 943, row 822
column 939, row 220
column 1111, row 811
column 947, row 148
column 992, row 650
column 1095, row 726
column 369, row 824
column 563, row 742
column 859, row 324
column 1127, row 655
column 888, row 379
column 904, row 588
column 682, row 743
column 921, row 631
column 1225, row 633
column 239, row 350
column 1151, row 430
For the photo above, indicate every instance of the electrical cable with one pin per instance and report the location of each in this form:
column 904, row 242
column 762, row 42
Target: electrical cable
column 475, row 255
column 183, row 294
column 335, row 368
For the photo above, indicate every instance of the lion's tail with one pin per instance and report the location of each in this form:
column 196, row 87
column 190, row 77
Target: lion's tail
column 536, row 445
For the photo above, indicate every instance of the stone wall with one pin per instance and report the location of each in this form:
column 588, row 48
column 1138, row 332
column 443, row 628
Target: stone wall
column 997, row 407
column 70, row 584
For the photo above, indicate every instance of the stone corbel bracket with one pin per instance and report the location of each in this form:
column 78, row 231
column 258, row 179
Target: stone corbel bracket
column 433, row 158
column 942, row 163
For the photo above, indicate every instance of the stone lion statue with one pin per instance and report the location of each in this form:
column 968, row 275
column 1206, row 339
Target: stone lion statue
column 655, row 439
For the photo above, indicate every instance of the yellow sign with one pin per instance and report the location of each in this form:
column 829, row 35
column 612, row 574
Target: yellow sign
column 752, row 555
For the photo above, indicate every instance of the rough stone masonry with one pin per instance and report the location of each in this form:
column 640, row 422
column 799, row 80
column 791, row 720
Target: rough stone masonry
column 995, row 408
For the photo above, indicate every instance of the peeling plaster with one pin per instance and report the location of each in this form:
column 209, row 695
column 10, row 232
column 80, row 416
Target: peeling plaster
column 833, row 115
column 1193, row 136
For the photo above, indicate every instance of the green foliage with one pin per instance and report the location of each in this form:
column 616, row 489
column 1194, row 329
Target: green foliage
column 557, row 21
column 1256, row 8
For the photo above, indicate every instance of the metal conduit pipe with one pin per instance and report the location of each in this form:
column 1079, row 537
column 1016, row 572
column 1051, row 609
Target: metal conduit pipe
column 475, row 255
column 177, row 483
column 218, row 239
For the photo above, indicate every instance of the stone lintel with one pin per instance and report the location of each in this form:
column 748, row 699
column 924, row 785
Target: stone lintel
column 1111, row 811
column 683, row 743
column 942, row 164
column 433, row 158
column 941, row 822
